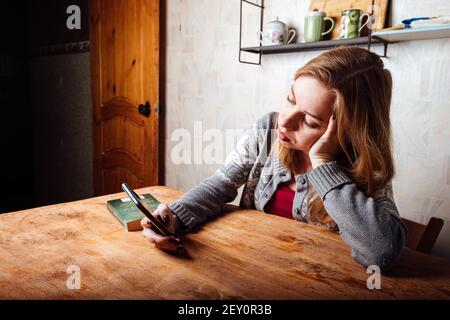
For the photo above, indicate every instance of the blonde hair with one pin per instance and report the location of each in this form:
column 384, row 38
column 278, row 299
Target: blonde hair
column 363, row 89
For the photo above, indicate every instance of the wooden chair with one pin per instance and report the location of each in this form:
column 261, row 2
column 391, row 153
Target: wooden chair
column 422, row 237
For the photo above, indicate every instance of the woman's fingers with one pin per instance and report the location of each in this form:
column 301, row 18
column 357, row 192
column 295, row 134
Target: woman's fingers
column 145, row 223
column 162, row 207
column 161, row 242
column 331, row 128
column 163, row 212
column 166, row 217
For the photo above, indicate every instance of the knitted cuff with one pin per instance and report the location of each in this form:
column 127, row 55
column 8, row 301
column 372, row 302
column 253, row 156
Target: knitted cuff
column 186, row 216
column 326, row 177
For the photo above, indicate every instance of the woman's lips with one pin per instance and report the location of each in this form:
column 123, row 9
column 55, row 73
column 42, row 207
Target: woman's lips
column 283, row 137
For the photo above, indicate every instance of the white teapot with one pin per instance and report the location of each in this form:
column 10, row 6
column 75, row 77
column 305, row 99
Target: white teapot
column 276, row 33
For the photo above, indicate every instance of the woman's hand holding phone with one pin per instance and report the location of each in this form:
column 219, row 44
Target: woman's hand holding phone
column 173, row 224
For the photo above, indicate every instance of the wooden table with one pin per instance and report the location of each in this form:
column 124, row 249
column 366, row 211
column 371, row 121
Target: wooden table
column 244, row 254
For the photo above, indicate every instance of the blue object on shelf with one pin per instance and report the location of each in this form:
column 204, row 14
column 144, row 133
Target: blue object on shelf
column 407, row 22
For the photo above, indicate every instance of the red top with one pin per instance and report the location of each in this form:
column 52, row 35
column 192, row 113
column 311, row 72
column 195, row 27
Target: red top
column 281, row 202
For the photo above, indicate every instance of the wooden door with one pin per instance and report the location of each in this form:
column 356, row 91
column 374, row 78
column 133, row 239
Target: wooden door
column 124, row 38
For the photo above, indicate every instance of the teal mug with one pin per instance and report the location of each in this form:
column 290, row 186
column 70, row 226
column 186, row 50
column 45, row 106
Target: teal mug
column 315, row 26
column 351, row 23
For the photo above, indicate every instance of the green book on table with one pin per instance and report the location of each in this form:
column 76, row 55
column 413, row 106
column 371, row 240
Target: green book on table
column 128, row 214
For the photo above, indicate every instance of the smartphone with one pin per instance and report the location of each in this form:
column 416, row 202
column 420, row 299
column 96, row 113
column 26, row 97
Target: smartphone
column 145, row 209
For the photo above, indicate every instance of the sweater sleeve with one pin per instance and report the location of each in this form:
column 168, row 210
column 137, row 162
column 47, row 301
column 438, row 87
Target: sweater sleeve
column 371, row 226
column 210, row 197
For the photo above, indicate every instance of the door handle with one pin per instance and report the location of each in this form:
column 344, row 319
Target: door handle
column 145, row 109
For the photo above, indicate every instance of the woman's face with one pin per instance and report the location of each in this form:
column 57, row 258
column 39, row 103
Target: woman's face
column 304, row 116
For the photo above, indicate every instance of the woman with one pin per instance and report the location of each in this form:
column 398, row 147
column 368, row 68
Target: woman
column 325, row 158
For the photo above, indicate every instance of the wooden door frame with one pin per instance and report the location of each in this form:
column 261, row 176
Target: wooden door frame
column 162, row 91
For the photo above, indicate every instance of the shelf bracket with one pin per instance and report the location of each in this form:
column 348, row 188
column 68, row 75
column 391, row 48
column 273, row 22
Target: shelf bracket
column 385, row 43
column 261, row 7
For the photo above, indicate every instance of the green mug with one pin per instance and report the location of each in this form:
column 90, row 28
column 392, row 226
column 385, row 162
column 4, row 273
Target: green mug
column 315, row 25
column 351, row 20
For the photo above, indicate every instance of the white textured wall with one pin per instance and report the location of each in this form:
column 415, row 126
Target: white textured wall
column 205, row 82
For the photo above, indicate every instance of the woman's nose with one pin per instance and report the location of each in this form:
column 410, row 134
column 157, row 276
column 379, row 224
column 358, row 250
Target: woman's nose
column 290, row 121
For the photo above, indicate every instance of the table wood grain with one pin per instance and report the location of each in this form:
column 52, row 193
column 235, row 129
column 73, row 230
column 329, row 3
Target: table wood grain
column 243, row 254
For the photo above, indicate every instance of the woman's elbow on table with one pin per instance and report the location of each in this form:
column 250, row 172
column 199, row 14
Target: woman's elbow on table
column 383, row 254
column 384, row 260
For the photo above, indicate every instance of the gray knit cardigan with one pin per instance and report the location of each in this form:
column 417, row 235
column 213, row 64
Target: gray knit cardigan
column 371, row 226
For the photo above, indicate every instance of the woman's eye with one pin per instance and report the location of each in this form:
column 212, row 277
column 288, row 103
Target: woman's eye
column 313, row 126
column 288, row 98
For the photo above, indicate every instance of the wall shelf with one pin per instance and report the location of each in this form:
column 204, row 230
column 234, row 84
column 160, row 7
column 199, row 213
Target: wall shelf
column 413, row 34
column 308, row 46
column 374, row 38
